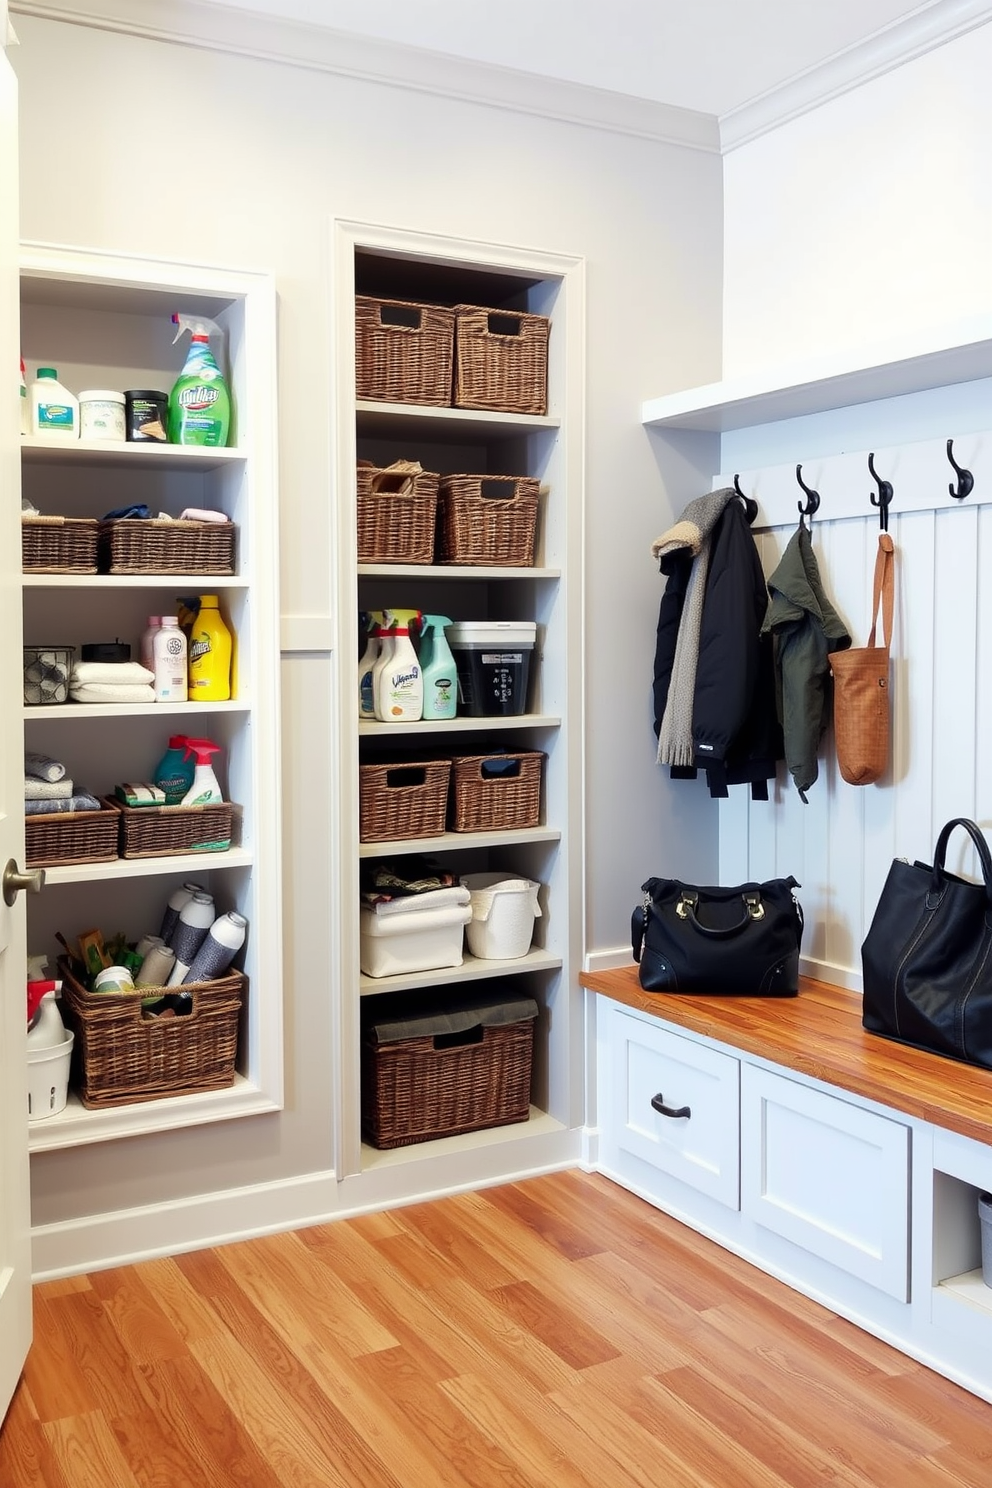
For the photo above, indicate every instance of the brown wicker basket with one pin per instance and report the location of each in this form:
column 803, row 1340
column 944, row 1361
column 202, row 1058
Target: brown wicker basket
column 399, row 801
column 396, row 513
column 438, row 1084
column 488, row 520
column 131, row 545
column 120, row 1058
column 486, row 801
column 71, row 837
column 501, row 360
column 404, row 351
column 59, row 544
column 163, row 831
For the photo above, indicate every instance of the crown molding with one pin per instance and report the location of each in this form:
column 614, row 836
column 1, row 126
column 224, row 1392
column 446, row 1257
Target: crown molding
column 210, row 27
column 923, row 31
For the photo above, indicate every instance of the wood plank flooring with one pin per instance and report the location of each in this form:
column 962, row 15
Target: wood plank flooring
column 554, row 1333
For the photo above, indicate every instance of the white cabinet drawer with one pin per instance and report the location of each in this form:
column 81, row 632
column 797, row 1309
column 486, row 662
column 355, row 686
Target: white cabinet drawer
column 827, row 1175
column 651, row 1067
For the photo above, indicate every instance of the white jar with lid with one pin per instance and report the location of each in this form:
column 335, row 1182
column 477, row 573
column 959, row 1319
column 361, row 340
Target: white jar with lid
column 101, row 414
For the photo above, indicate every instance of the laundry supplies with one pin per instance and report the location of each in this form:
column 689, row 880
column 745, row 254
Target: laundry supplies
column 200, row 402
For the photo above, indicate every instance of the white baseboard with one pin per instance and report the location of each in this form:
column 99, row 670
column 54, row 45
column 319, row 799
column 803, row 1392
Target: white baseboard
column 607, row 959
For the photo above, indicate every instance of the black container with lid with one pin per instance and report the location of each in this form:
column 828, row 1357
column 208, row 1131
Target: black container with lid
column 145, row 414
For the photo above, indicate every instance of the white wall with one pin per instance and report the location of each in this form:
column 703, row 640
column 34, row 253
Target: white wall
column 140, row 146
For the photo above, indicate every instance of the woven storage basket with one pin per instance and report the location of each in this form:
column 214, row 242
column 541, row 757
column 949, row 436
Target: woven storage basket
column 404, row 351
column 439, row 1083
column 398, row 801
column 162, row 831
column 120, row 1058
column 71, row 837
column 396, row 515
column 484, row 801
column 59, row 544
column 131, row 545
column 488, row 520
column 501, row 360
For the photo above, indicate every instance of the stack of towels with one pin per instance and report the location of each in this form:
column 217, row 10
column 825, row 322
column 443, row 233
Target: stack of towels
column 47, row 788
column 111, row 682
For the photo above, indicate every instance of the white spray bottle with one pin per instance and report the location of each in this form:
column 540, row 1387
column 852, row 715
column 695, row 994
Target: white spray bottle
column 374, row 621
column 205, row 789
column 399, row 685
column 440, row 679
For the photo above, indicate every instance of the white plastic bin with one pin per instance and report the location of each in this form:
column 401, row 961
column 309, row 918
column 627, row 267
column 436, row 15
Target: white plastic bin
column 503, row 913
column 423, row 940
column 985, row 1217
column 48, row 1079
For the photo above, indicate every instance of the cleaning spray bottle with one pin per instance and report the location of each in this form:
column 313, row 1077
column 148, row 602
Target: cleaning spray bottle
column 205, row 789
column 438, row 666
column 45, row 1026
column 373, row 622
column 200, row 402
column 399, row 685
column 174, row 772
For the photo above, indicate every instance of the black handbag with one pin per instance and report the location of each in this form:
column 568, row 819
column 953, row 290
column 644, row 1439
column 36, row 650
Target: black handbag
column 927, row 957
column 741, row 942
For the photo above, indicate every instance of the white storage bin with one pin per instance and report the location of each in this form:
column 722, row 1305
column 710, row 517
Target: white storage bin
column 422, row 940
column 503, row 913
column 48, row 1079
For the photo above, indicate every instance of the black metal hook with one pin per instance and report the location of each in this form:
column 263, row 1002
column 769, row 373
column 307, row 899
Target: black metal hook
column 750, row 505
column 966, row 481
column 884, row 498
column 812, row 497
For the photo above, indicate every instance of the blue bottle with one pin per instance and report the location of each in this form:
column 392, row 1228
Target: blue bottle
column 174, row 773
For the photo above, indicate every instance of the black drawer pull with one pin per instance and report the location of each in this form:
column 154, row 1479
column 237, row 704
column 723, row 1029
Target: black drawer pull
column 658, row 1102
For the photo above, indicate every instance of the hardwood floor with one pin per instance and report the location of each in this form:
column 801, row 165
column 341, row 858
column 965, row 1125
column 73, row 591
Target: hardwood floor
column 555, row 1333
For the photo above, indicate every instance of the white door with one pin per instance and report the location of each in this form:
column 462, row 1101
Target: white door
column 15, row 1236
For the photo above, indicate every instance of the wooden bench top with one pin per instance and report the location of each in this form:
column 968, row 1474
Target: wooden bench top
column 819, row 1033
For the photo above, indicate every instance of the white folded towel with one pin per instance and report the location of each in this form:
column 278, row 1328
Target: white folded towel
column 105, row 693
column 43, row 767
column 46, row 790
column 419, row 903
column 111, row 674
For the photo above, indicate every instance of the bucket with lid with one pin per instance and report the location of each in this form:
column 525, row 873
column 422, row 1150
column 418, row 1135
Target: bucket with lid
column 492, row 658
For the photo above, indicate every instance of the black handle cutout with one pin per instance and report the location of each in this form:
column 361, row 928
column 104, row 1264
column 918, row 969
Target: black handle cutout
column 459, row 1040
column 400, row 315
column 505, row 325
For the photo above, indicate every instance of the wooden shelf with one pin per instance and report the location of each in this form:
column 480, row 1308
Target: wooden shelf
column 128, row 868
column 470, row 970
column 457, row 842
column 500, row 723
column 450, row 571
column 37, row 450
column 190, row 583
column 78, row 1127
column 111, row 711
column 446, row 425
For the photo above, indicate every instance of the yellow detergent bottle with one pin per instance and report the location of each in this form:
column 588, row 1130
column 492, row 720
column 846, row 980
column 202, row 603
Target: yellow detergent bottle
column 210, row 645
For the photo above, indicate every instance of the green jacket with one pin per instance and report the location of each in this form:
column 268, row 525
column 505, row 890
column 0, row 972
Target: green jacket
column 805, row 628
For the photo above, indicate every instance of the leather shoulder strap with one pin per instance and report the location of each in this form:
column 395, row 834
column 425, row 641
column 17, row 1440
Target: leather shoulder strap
column 885, row 589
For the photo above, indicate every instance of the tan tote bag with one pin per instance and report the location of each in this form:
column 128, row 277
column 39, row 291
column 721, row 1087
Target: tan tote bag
column 861, row 685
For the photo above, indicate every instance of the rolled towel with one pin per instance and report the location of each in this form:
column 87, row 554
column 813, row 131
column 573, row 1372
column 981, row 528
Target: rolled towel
column 110, row 674
column 81, row 801
column 105, row 693
column 43, row 767
column 47, row 790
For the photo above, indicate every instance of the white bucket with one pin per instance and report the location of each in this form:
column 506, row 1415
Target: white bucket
column 48, row 1079
column 503, row 914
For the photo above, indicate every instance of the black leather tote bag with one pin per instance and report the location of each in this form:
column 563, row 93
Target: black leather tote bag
column 740, row 942
column 927, row 957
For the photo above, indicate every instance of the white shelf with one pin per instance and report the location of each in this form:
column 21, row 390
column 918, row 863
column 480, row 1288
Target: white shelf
column 78, row 1127
column 499, row 722
column 128, row 868
column 450, row 571
column 911, row 364
column 971, row 1289
column 447, row 425
column 539, row 1124
column 37, row 450
column 110, row 711
column 457, row 842
column 185, row 583
column 470, row 970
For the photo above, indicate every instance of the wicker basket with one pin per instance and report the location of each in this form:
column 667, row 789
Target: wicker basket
column 486, row 801
column 120, row 1058
column 460, row 1075
column 399, row 801
column 404, row 351
column 151, row 546
column 51, row 839
column 488, row 520
column 501, row 360
column 163, row 831
column 59, row 544
column 396, row 513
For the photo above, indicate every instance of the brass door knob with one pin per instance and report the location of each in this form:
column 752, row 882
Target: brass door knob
column 14, row 881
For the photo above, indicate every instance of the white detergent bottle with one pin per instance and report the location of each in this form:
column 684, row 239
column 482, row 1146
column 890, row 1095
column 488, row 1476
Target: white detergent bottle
column 168, row 650
column 386, row 647
column 399, row 685
column 366, row 696
column 54, row 410
column 438, row 664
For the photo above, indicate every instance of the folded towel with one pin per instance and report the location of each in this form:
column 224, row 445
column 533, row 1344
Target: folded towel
column 414, row 904
column 105, row 693
column 111, row 674
column 43, row 767
column 81, row 801
column 47, row 790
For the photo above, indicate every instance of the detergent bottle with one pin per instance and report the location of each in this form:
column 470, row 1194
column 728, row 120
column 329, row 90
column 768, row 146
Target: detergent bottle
column 210, row 646
column 373, row 620
column 45, row 1026
column 200, row 402
column 174, row 772
column 438, row 665
column 54, row 410
column 399, row 684
column 205, row 789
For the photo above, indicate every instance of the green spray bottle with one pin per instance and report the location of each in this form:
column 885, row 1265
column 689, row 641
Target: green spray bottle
column 438, row 667
column 200, row 401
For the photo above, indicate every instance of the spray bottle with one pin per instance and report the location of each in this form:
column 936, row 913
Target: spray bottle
column 399, row 685
column 200, row 402
column 174, row 772
column 205, row 789
column 45, row 1026
column 373, row 621
column 438, row 665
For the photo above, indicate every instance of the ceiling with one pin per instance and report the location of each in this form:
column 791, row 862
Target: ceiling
column 709, row 55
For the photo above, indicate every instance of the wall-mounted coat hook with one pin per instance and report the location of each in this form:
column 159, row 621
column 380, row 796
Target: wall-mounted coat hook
column 883, row 499
column 750, row 505
column 966, row 481
column 812, row 502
